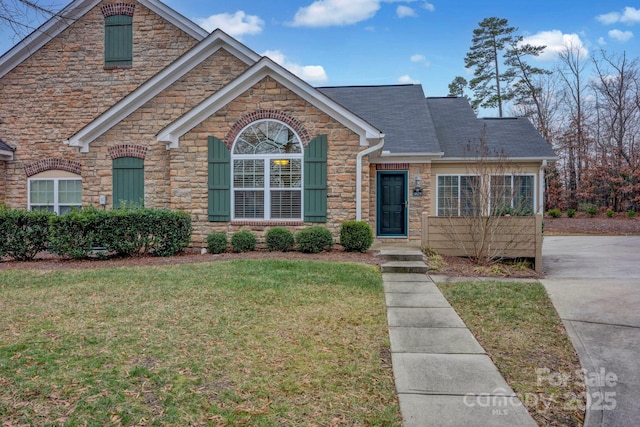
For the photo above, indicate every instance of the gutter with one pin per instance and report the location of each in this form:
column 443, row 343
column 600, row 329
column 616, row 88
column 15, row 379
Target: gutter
column 359, row 175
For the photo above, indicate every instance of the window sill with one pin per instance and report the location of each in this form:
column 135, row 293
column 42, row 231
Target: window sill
column 267, row 222
column 117, row 67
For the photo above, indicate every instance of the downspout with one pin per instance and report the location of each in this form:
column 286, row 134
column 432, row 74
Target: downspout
column 359, row 177
column 541, row 189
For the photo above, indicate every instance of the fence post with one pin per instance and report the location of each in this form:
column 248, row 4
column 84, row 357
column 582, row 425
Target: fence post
column 538, row 236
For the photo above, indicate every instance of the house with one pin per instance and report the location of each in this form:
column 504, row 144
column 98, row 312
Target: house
column 129, row 101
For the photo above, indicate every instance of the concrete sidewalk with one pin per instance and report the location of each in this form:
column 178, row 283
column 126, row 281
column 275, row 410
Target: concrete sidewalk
column 443, row 376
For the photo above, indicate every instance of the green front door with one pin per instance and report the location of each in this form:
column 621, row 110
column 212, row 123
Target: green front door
column 392, row 204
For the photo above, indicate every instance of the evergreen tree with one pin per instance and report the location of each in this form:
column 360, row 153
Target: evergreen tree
column 456, row 87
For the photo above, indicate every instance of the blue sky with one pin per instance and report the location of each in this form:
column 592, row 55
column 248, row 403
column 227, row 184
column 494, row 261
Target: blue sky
column 374, row 42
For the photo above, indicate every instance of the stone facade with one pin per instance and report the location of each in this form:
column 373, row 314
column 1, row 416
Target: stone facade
column 63, row 86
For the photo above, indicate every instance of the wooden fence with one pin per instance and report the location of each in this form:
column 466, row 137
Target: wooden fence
column 496, row 237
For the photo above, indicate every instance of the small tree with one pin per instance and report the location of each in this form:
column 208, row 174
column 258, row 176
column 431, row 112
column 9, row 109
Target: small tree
column 494, row 190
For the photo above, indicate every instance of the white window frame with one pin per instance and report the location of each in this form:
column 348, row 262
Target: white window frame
column 459, row 176
column 512, row 199
column 266, row 159
column 55, row 203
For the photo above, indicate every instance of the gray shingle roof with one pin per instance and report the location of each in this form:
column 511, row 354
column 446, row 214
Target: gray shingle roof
column 459, row 132
column 5, row 147
column 399, row 111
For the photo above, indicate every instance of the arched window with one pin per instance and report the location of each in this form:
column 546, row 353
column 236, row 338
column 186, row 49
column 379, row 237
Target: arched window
column 267, row 160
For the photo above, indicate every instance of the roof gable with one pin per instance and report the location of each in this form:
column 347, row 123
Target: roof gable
column 73, row 12
column 152, row 87
column 267, row 68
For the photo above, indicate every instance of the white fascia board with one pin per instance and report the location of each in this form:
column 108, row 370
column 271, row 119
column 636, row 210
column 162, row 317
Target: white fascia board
column 6, row 155
column 177, row 19
column 386, row 157
column 43, row 34
column 157, row 84
column 266, row 67
column 495, row 159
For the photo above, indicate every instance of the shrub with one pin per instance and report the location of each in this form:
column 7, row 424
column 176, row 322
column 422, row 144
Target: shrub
column 554, row 213
column 591, row 210
column 279, row 239
column 356, row 236
column 631, row 213
column 216, row 243
column 610, row 213
column 571, row 213
column 77, row 233
column 23, row 234
column 314, row 239
column 243, row 241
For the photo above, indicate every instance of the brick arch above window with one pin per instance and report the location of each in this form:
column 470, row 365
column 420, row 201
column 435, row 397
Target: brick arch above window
column 43, row 165
column 113, row 9
column 285, row 118
column 128, row 150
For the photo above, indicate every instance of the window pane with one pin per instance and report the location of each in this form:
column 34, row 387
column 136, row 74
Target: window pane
column 447, row 196
column 501, row 194
column 286, row 204
column 42, row 208
column 523, row 197
column 248, row 173
column 470, row 195
column 286, row 173
column 42, row 192
column 267, row 137
column 249, row 204
column 70, row 192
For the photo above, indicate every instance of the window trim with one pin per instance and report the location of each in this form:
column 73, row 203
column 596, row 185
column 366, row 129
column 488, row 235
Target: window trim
column 266, row 189
column 56, row 193
column 483, row 177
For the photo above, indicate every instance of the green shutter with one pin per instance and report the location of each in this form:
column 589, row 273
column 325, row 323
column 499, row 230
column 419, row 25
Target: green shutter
column 128, row 181
column 219, row 181
column 315, row 180
column 118, row 40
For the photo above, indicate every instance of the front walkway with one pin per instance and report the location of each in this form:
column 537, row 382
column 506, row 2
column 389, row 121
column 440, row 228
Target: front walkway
column 443, row 376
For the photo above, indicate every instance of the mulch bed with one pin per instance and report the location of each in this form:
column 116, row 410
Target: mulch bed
column 618, row 225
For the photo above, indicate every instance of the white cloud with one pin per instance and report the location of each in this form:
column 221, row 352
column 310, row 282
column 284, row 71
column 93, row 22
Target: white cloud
column 324, row 13
column 556, row 42
column 629, row 16
column 601, row 41
column 405, row 12
column 621, row 36
column 308, row 73
column 420, row 59
column 235, row 25
column 429, row 6
column 406, row 79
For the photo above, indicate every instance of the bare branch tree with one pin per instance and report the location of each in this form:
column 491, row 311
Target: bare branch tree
column 22, row 17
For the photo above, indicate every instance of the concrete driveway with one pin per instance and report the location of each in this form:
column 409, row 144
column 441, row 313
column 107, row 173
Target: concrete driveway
column 594, row 283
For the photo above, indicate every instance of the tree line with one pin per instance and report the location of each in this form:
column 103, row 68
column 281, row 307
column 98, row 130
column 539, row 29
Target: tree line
column 586, row 107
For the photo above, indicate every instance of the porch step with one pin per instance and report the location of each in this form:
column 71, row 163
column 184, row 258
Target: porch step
column 404, row 267
column 401, row 255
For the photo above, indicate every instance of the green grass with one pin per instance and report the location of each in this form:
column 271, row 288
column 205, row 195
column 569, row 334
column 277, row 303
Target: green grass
column 520, row 329
column 227, row 343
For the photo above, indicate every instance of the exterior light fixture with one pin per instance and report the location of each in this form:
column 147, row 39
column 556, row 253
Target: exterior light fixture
column 417, row 191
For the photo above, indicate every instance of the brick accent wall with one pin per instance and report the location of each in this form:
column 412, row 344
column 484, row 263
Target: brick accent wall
column 127, row 150
column 392, row 166
column 34, row 168
column 254, row 116
column 118, row 9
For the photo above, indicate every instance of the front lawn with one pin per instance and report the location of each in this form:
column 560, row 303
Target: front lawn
column 270, row 342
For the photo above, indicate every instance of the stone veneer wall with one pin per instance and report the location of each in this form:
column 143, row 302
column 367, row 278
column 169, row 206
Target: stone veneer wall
column 189, row 167
column 63, row 86
column 417, row 204
column 141, row 127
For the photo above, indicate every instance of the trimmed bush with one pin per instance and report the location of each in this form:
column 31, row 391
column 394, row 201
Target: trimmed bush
column 22, row 233
column 279, row 239
column 554, row 213
column 631, row 213
column 591, row 210
column 571, row 213
column 314, row 239
column 610, row 213
column 356, row 236
column 243, row 241
column 77, row 233
column 216, row 243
